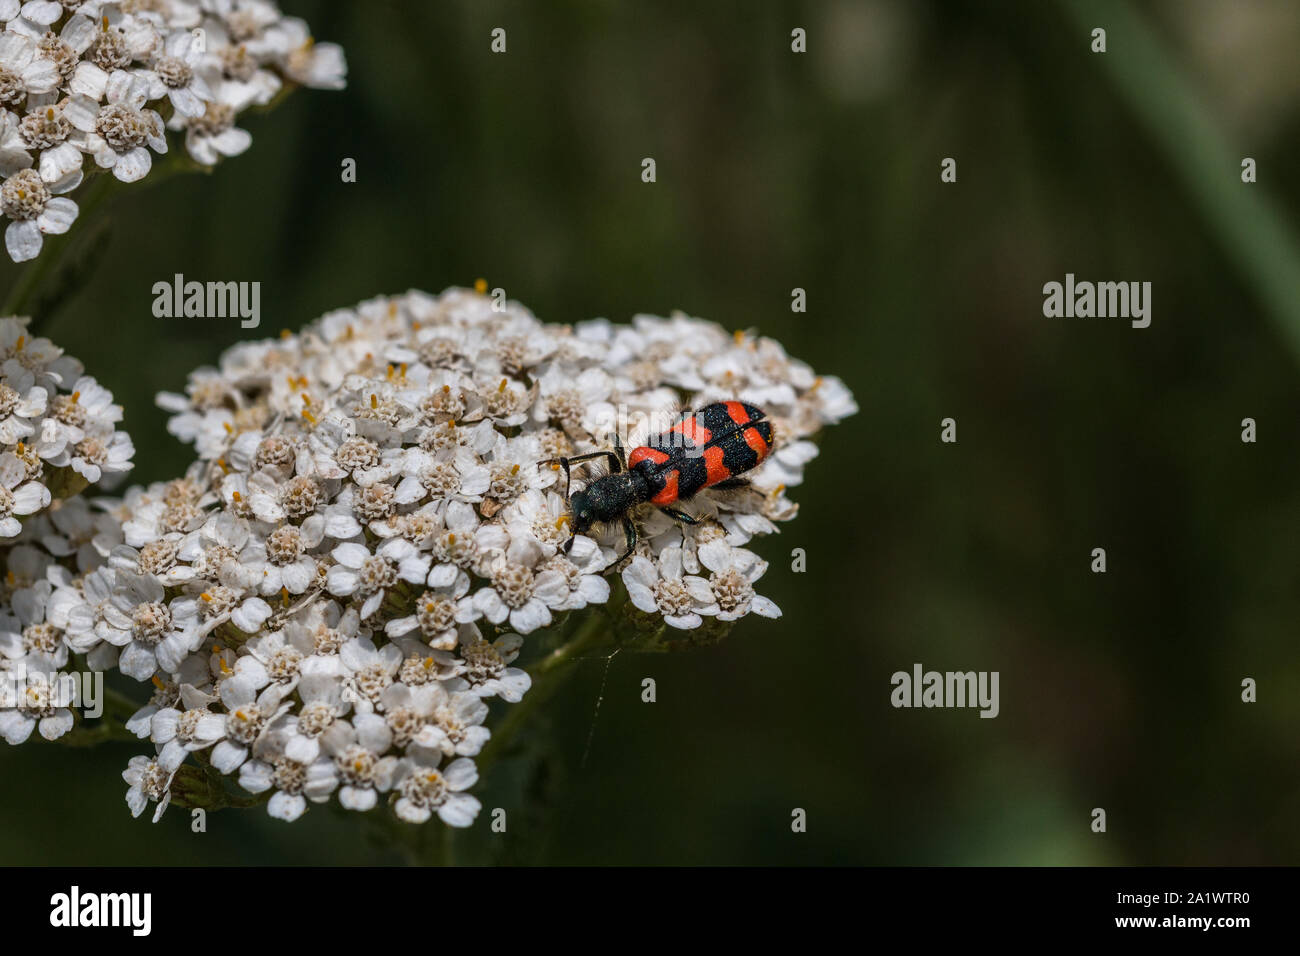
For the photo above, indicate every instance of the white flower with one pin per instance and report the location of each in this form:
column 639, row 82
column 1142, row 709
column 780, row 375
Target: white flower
column 84, row 612
column 456, row 545
column 485, row 666
column 538, row 524
column 322, row 704
column 660, row 587
column 732, row 584
column 43, row 702
column 424, row 790
column 214, row 547
column 455, row 725
column 178, row 733
column 19, row 409
column 161, row 632
column 18, row 497
column 166, row 694
column 437, row 613
column 521, row 596
column 158, row 558
column 14, row 147
column 304, row 61
column 36, row 212
column 370, row 670
column 834, row 402
column 29, row 361
column 149, row 781
column 357, row 747
column 276, row 658
column 173, row 74
column 95, row 456
column 580, row 569
column 295, row 783
column 248, row 715
column 22, row 71
column 213, row 134
column 29, row 631
column 123, row 128
column 784, row 467
column 573, row 403
column 281, row 559
column 371, row 575
column 445, row 477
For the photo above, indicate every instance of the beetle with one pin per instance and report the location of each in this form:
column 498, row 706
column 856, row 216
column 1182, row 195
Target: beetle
column 708, row 448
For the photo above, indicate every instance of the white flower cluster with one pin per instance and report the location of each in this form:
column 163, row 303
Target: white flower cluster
column 58, row 435
column 107, row 79
column 328, row 597
column 58, row 427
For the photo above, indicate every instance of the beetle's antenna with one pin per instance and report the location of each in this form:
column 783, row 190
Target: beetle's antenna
column 568, row 476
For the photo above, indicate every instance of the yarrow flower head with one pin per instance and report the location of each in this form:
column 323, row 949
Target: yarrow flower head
column 58, row 427
column 108, row 80
column 327, row 604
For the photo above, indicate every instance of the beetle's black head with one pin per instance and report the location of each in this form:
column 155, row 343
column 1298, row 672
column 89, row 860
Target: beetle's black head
column 605, row 499
column 583, row 515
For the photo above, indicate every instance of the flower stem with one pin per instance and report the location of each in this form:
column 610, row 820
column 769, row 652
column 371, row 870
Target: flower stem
column 109, row 726
column 102, row 733
column 548, row 674
column 118, row 704
column 99, row 186
column 24, row 292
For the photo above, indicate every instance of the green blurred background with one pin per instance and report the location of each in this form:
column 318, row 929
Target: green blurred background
column 821, row 171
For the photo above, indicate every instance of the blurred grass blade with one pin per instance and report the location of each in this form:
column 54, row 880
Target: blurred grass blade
column 1255, row 236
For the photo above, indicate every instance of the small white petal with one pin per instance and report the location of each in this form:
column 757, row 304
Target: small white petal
column 133, row 166
column 23, row 240
column 58, row 217
column 289, row 807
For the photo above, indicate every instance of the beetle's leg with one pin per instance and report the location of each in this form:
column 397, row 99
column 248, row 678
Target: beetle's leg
column 629, row 532
column 681, row 516
column 568, row 545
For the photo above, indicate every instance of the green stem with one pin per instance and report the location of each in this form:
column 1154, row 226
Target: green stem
column 24, row 292
column 118, row 704
column 547, row 674
column 109, row 726
column 102, row 733
column 98, row 188
column 200, row 786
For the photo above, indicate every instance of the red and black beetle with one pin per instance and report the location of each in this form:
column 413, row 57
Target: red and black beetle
column 709, row 448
